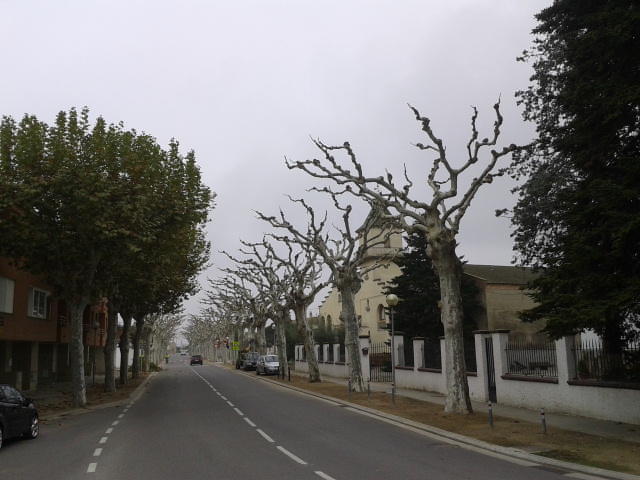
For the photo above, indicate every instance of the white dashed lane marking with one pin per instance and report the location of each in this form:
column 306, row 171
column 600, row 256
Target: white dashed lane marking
column 265, row 435
column 98, row 451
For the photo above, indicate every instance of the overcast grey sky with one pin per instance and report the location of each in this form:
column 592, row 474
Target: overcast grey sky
column 246, row 83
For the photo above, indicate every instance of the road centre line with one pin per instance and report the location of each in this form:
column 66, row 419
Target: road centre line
column 97, row 452
column 266, row 437
column 291, row 455
column 324, row 475
column 269, row 439
column 103, row 439
column 109, row 430
column 92, row 467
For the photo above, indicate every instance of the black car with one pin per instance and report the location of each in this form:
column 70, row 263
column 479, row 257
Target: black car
column 18, row 414
column 195, row 359
column 250, row 361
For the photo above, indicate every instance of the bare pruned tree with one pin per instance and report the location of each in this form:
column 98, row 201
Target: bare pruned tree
column 438, row 219
column 270, row 303
column 226, row 297
column 296, row 274
column 345, row 256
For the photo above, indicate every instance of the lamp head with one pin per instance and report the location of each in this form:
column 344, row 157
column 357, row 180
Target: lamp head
column 392, row 300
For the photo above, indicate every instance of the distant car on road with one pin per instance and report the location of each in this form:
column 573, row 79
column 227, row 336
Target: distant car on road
column 18, row 414
column 195, row 359
column 267, row 364
column 250, row 361
column 183, row 353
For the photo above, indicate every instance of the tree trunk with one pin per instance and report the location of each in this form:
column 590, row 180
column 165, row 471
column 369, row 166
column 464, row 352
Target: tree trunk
column 76, row 346
column 352, row 333
column 442, row 252
column 306, row 335
column 135, row 369
column 146, row 341
column 281, row 342
column 124, row 347
column 261, row 337
column 110, row 345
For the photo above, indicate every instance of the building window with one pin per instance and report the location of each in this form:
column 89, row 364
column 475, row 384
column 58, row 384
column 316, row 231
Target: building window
column 38, row 302
column 382, row 317
column 6, row 295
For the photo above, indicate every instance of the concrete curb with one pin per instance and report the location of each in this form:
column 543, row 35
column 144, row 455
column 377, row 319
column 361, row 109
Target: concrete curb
column 465, row 442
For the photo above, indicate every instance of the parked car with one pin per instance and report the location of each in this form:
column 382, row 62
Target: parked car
column 18, row 414
column 195, row 359
column 250, row 361
column 267, row 364
column 240, row 359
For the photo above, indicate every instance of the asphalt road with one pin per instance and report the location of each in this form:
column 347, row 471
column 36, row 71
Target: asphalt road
column 205, row 422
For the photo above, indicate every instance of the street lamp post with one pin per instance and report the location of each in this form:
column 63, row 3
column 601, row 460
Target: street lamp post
column 95, row 326
column 392, row 301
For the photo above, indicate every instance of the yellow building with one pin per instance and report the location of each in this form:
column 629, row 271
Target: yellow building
column 370, row 299
column 499, row 289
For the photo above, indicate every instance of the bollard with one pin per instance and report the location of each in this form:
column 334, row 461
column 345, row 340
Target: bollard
column 289, row 373
column 544, row 421
column 369, row 392
column 490, row 415
column 393, row 395
column 349, row 387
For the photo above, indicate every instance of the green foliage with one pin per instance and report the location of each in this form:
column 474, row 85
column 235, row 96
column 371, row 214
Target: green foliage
column 292, row 339
column 322, row 334
column 101, row 210
column 418, row 314
column 578, row 216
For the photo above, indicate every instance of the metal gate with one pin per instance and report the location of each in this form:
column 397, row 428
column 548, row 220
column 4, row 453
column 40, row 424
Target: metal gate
column 491, row 370
column 380, row 362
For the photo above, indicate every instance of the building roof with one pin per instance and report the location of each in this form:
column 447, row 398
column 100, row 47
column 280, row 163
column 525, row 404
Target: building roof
column 378, row 217
column 500, row 274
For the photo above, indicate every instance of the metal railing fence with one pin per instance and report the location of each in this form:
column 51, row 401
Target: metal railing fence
column 595, row 362
column 532, row 358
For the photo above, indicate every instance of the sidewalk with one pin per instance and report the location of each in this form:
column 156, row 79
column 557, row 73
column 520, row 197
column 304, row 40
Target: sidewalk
column 592, row 426
column 56, row 400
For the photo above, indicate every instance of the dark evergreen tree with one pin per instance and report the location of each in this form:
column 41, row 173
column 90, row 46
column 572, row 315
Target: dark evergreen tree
column 418, row 313
column 578, row 216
